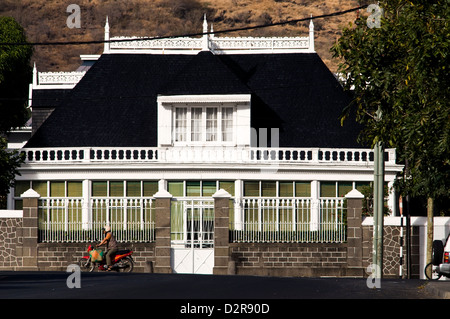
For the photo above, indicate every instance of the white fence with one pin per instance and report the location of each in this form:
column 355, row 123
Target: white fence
column 71, row 220
column 266, row 220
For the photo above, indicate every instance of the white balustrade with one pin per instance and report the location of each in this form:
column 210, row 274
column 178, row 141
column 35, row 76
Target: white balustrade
column 204, row 154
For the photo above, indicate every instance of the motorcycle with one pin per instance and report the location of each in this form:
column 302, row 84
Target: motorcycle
column 440, row 264
column 121, row 262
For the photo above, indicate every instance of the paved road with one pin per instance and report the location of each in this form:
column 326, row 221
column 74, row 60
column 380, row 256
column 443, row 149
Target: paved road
column 224, row 295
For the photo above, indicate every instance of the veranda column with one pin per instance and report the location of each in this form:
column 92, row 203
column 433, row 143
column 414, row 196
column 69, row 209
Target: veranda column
column 354, row 228
column 162, row 232
column 221, row 232
column 30, row 230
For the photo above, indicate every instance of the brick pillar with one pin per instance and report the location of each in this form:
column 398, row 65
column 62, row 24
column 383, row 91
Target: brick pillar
column 354, row 228
column 29, row 250
column 162, row 232
column 221, row 232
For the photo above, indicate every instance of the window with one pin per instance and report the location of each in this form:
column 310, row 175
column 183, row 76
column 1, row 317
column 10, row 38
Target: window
column 337, row 189
column 277, row 189
column 198, row 188
column 203, row 125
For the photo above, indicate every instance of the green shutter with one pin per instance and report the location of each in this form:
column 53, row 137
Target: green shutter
column 193, row 188
column 251, row 188
column 208, row 188
column 344, row 188
column 228, row 186
column 286, row 189
column 268, row 189
column 116, row 189
column 175, row 188
column 133, row 189
column 74, row 189
column 150, row 188
column 40, row 187
column 302, row 189
column 327, row 189
column 99, row 189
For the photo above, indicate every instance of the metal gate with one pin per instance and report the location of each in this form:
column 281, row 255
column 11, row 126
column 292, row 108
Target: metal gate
column 192, row 236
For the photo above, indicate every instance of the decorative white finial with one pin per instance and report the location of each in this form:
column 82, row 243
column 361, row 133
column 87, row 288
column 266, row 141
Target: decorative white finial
column 311, row 35
column 205, row 39
column 106, row 44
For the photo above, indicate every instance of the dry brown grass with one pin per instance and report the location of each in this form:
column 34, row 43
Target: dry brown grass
column 45, row 20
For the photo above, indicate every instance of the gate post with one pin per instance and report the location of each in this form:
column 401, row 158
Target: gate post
column 221, row 232
column 30, row 226
column 162, row 232
column 354, row 231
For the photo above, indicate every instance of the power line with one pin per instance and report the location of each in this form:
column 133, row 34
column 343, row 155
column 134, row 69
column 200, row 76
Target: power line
column 338, row 13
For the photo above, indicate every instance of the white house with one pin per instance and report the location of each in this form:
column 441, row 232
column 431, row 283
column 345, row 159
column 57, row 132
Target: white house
column 257, row 117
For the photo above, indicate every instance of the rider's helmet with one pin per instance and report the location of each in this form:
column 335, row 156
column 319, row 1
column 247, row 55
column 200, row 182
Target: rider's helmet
column 107, row 228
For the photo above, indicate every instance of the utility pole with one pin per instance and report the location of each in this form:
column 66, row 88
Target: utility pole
column 378, row 204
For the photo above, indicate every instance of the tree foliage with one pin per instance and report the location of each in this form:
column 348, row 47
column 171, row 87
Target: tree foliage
column 401, row 68
column 15, row 75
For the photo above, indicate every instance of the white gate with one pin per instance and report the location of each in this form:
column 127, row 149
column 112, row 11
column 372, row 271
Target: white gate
column 192, row 236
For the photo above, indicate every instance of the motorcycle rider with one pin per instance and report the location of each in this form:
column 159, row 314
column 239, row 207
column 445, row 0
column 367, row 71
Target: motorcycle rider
column 111, row 245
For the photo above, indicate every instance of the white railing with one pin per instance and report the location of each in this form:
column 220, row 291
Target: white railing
column 199, row 154
column 47, row 78
column 72, row 220
column 271, row 220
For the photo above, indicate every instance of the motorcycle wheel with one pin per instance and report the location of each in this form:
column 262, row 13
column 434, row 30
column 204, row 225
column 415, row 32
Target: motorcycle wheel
column 84, row 264
column 431, row 273
column 125, row 265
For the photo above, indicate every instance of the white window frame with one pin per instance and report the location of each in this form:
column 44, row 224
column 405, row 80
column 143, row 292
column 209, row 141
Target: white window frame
column 241, row 131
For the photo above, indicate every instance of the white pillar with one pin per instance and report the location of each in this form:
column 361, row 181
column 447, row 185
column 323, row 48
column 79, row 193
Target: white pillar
column 311, row 36
column 86, row 211
column 315, row 206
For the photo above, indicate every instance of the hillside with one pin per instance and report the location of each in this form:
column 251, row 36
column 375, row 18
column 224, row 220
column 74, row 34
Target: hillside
column 45, row 20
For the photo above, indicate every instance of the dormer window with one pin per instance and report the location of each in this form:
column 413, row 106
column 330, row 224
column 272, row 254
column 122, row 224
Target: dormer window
column 203, row 124
column 204, row 120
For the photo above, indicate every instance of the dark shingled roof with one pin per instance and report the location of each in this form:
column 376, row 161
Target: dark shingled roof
column 114, row 104
column 48, row 98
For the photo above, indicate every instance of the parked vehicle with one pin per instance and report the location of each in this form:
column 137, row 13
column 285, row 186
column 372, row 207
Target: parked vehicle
column 440, row 264
column 122, row 262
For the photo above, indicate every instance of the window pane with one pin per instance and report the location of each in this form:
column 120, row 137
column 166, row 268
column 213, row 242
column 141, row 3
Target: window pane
column 57, row 189
column 192, row 188
column 74, row 189
column 99, row 189
column 40, row 188
column 227, row 124
column 302, row 189
column 327, row 189
column 251, row 188
column 208, row 188
column 228, row 186
column 344, row 188
column 211, row 124
column 175, row 188
column 21, row 187
column 116, row 189
column 180, row 124
column 269, row 189
column 133, row 189
column 286, row 189
column 150, row 188
column 196, row 124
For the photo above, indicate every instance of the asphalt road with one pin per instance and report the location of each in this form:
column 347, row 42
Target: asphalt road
column 178, row 293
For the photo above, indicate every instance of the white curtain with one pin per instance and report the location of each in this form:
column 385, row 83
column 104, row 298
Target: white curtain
column 180, row 124
column 211, row 124
column 196, row 124
column 227, row 124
